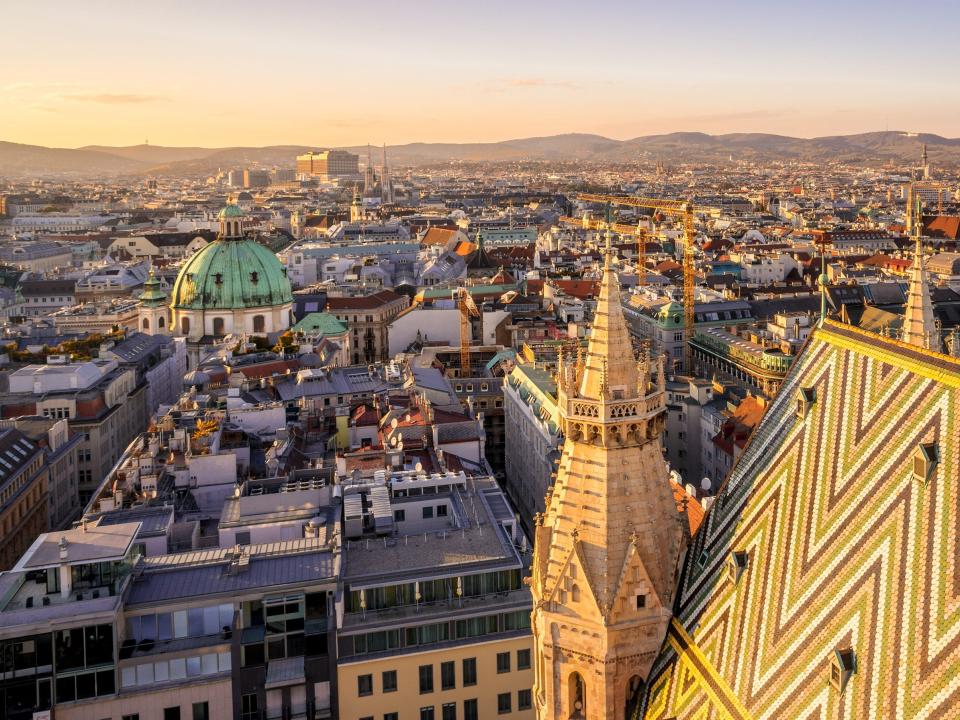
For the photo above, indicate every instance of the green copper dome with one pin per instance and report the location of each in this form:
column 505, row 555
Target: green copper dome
column 231, row 274
column 671, row 314
column 231, row 211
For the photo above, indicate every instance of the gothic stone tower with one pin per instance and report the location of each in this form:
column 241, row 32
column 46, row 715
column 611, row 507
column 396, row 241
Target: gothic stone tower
column 608, row 550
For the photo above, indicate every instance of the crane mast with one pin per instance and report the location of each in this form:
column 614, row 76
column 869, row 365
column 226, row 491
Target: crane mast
column 675, row 208
column 467, row 309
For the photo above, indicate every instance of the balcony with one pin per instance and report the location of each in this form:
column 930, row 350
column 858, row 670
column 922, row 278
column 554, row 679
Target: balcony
column 425, row 611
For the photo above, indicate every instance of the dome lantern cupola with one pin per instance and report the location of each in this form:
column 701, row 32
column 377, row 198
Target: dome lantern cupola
column 231, row 219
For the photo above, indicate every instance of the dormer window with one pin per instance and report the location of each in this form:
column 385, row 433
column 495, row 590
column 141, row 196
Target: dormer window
column 736, row 564
column 843, row 664
column 806, row 397
column 254, row 277
column 218, row 278
column 925, row 461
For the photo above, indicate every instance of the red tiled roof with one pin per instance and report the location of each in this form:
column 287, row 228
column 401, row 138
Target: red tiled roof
column 693, row 507
column 363, row 302
column 437, row 236
column 582, row 289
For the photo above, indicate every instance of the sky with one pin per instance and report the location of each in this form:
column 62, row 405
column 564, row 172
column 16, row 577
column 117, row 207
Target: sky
column 324, row 73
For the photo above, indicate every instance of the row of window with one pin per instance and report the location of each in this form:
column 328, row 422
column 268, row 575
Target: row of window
column 448, row 711
column 448, row 674
column 176, row 669
column 200, row 711
column 427, row 512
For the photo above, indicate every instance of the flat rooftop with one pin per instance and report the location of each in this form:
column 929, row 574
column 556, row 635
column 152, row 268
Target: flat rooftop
column 84, row 545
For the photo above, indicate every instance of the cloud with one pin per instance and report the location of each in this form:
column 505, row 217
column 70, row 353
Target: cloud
column 113, row 98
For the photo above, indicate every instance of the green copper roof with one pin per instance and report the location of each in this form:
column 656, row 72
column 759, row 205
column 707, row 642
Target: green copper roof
column 320, row 323
column 231, row 274
column 153, row 294
column 231, row 211
column 670, row 314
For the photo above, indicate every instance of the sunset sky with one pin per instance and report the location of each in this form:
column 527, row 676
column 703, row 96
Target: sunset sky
column 338, row 73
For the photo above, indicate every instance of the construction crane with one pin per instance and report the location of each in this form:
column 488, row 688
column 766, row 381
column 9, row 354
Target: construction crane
column 468, row 309
column 674, row 208
column 639, row 232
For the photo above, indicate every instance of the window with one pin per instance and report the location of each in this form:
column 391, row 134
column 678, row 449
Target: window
column 469, row 672
column 448, row 676
column 736, row 564
column 503, row 662
column 399, row 515
column 131, row 716
column 391, row 716
column 504, row 704
column 389, row 680
column 426, row 680
column 249, row 707
column 427, row 713
column 185, row 325
column 470, row 711
column 441, row 510
column 146, row 324
column 641, row 602
column 364, row 685
column 218, row 326
column 523, row 659
column 171, row 713
column 524, row 700
column 843, row 664
column 448, row 711
column 201, row 710
column 259, row 324
column 427, row 513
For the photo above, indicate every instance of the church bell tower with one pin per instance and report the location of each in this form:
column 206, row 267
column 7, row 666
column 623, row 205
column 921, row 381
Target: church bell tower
column 609, row 548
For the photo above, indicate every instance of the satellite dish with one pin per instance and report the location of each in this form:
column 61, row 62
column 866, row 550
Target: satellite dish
column 418, row 467
column 706, row 483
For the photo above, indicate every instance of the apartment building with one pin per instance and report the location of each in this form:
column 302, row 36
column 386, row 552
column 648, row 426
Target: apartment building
column 435, row 619
column 102, row 402
column 368, row 318
column 23, row 495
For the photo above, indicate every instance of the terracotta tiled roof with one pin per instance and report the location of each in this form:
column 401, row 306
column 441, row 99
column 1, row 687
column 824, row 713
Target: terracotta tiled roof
column 693, row 507
column 363, row 302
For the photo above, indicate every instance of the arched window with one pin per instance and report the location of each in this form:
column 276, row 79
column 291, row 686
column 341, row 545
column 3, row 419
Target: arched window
column 259, row 324
column 146, row 323
column 185, row 325
column 575, row 593
column 161, row 322
column 218, row 326
column 577, row 692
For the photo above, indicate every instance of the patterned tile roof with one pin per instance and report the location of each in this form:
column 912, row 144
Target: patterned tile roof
column 843, row 547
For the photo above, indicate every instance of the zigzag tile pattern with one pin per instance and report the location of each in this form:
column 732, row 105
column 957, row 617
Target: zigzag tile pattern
column 845, row 547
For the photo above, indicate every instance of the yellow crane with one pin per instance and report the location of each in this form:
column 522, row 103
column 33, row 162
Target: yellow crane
column 468, row 309
column 674, row 208
column 639, row 232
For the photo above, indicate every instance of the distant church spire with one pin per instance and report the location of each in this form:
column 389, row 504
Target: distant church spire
column 919, row 323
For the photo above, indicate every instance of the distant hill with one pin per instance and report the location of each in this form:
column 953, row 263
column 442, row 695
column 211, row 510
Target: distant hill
column 874, row 147
column 17, row 159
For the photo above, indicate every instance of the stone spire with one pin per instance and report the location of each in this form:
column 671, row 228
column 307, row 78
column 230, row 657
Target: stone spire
column 609, row 547
column 609, row 340
column 919, row 323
